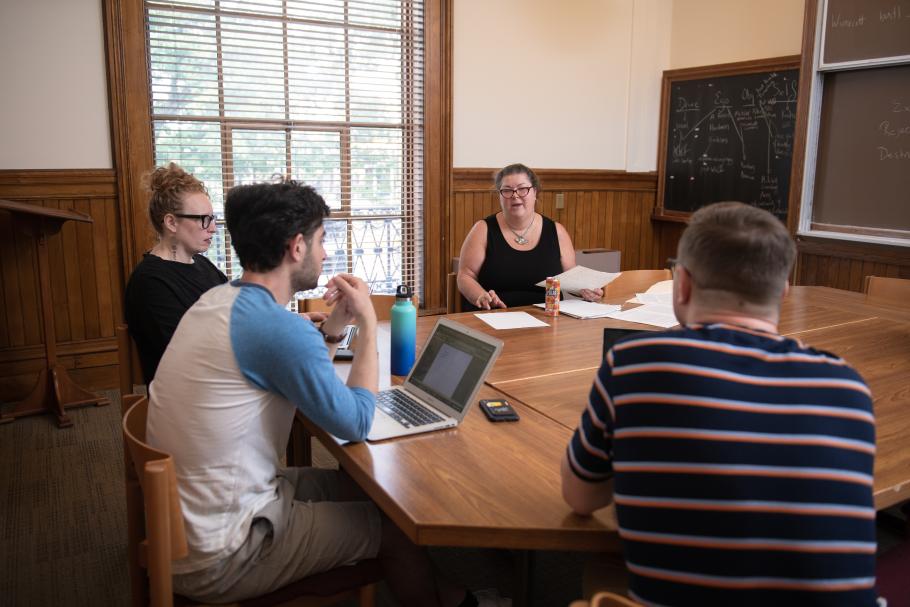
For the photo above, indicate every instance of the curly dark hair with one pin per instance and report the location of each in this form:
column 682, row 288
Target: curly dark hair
column 263, row 217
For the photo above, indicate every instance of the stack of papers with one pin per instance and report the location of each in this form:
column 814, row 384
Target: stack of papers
column 648, row 314
column 580, row 277
column 511, row 320
column 578, row 308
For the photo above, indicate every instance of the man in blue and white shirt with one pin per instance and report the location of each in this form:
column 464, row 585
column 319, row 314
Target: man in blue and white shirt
column 222, row 403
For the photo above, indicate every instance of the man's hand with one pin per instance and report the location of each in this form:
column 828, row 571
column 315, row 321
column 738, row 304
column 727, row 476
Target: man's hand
column 488, row 300
column 315, row 317
column 349, row 297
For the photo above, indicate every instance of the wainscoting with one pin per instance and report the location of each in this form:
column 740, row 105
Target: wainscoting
column 85, row 264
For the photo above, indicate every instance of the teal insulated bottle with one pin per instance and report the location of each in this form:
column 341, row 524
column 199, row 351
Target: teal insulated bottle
column 404, row 332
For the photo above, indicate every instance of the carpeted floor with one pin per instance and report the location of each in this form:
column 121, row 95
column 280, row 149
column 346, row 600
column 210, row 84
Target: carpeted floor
column 63, row 521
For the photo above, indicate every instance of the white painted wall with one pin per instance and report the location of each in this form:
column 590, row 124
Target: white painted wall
column 53, row 88
column 541, row 82
column 706, row 32
column 597, row 65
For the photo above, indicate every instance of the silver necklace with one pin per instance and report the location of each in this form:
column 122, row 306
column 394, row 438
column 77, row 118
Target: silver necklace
column 520, row 238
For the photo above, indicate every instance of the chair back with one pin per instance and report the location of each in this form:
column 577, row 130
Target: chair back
column 887, row 290
column 381, row 303
column 453, row 295
column 128, row 364
column 631, row 282
column 605, row 599
column 165, row 535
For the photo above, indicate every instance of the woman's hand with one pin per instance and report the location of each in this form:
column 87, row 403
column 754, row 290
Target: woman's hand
column 488, row 300
column 591, row 294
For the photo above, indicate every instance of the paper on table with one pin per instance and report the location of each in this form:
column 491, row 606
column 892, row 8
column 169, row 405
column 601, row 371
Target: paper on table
column 578, row 308
column 511, row 320
column 664, row 286
column 663, row 299
column 580, row 277
column 655, row 315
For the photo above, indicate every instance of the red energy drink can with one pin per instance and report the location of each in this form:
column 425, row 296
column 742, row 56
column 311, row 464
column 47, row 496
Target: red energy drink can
column 552, row 300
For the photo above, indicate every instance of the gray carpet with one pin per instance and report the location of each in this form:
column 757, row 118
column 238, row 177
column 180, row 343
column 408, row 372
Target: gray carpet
column 63, row 521
column 62, row 511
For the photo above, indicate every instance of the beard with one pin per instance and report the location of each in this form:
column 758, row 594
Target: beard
column 306, row 276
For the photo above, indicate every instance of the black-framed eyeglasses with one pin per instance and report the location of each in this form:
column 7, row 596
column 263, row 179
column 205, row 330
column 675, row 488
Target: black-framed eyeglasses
column 205, row 220
column 511, row 193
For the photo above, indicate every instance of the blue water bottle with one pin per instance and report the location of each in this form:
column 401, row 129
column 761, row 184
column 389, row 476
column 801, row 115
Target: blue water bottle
column 404, row 331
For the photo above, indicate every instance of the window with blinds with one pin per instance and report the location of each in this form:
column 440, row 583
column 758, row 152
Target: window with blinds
column 327, row 92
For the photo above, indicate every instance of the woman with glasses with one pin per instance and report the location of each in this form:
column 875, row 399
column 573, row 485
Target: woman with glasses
column 172, row 276
column 505, row 255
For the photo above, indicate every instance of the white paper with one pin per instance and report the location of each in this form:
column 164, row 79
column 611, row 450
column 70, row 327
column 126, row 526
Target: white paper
column 580, row 277
column 511, row 320
column 655, row 315
column 664, row 286
column 663, row 299
column 579, row 308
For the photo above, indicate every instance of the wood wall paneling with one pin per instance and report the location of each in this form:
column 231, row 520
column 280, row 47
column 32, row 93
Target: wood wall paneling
column 85, row 266
column 844, row 264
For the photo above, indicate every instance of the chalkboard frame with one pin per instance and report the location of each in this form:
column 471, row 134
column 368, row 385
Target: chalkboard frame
column 824, row 63
column 670, row 77
column 807, row 140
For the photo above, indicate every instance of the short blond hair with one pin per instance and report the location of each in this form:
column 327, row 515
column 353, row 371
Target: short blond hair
column 739, row 249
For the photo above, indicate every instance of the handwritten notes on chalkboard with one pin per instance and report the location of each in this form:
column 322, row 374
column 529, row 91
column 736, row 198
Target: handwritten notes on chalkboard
column 856, row 30
column 727, row 136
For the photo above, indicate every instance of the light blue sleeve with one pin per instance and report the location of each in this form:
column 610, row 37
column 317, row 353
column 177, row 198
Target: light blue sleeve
column 282, row 352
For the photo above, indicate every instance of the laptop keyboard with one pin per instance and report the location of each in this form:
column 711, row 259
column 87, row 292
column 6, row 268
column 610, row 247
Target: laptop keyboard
column 404, row 409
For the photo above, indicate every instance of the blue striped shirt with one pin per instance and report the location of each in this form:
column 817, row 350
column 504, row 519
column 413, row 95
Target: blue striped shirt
column 742, row 465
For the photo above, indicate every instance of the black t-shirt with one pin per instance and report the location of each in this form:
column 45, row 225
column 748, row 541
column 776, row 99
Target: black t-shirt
column 158, row 294
column 513, row 274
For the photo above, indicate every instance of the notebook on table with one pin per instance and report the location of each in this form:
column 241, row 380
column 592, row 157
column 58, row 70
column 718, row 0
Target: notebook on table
column 442, row 383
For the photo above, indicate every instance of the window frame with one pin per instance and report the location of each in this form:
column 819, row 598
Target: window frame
column 129, row 86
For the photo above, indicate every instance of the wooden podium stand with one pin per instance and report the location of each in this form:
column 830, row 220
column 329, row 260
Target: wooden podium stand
column 55, row 391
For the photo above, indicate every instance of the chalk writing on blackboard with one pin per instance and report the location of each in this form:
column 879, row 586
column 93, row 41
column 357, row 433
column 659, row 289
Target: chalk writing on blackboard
column 731, row 138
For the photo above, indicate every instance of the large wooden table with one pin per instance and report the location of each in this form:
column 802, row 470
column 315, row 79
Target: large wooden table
column 497, row 485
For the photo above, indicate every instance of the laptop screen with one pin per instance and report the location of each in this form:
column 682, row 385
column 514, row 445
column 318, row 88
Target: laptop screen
column 451, row 365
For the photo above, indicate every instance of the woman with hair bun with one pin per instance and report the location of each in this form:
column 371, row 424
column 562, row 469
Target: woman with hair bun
column 173, row 274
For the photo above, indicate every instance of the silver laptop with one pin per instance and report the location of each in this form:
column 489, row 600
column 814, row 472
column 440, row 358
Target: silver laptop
column 441, row 386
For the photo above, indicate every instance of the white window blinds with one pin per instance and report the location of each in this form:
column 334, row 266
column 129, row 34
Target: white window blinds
column 328, row 92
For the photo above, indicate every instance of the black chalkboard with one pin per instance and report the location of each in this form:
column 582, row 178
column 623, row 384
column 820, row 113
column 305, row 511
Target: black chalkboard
column 727, row 134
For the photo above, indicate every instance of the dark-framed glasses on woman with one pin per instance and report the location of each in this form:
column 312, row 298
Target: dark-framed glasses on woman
column 205, row 220
column 510, row 193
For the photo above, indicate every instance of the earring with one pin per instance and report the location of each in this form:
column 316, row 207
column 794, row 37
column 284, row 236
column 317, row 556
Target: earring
column 174, row 248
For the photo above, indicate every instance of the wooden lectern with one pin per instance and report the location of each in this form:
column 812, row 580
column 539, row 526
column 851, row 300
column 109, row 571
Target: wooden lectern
column 55, row 391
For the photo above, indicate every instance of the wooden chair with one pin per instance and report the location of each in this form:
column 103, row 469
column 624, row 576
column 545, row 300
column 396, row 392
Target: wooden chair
column 130, row 368
column 606, row 599
column 633, row 281
column 153, row 511
column 381, row 303
column 453, row 295
column 887, row 290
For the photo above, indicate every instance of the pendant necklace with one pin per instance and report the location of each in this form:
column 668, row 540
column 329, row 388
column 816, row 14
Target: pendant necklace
column 520, row 238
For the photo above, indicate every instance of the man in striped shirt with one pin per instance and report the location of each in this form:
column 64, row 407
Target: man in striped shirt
column 740, row 461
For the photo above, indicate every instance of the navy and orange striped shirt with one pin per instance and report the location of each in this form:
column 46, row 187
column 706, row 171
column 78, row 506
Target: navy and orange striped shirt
column 742, row 466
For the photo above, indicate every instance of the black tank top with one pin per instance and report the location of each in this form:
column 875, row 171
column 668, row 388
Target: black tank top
column 513, row 274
